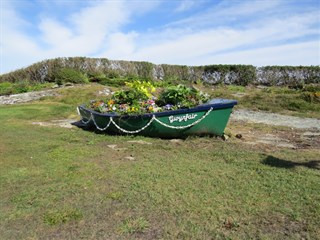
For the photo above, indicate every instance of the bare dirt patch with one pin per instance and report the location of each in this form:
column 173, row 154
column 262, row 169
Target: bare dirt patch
column 64, row 123
column 280, row 226
column 270, row 137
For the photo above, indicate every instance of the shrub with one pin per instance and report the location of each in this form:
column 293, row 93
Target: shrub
column 65, row 75
column 6, row 88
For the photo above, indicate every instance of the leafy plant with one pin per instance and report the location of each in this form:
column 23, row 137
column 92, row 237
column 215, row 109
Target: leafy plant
column 182, row 96
column 143, row 87
column 138, row 99
column 138, row 91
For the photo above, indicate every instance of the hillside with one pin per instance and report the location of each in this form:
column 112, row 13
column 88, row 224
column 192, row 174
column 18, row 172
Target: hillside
column 82, row 69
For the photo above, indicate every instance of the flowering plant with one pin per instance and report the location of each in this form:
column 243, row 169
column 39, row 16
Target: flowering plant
column 137, row 98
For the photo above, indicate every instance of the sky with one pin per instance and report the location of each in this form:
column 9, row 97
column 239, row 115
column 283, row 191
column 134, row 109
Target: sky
column 186, row 32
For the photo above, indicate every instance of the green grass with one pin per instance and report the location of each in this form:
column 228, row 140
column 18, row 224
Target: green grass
column 303, row 102
column 68, row 184
column 7, row 88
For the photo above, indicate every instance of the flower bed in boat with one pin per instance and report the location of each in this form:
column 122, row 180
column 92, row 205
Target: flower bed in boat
column 138, row 98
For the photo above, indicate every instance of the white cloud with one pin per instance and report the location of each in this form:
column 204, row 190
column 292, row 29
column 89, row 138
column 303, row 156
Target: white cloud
column 190, row 47
column 185, row 5
column 228, row 11
column 54, row 33
column 120, row 46
column 287, row 54
column 84, row 34
column 101, row 30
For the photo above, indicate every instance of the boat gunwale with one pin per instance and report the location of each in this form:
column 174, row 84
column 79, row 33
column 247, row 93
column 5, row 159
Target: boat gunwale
column 203, row 107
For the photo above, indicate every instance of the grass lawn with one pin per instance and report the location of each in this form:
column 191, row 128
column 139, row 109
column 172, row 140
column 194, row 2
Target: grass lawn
column 59, row 183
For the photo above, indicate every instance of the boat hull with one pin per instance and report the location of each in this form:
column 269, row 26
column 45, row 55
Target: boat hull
column 207, row 119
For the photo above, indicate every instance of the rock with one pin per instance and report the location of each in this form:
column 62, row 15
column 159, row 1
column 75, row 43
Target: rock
column 239, row 136
column 115, row 147
column 68, row 84
column 311, row 134
column 178, row 141
column 239, row 94
column 225, row 137
column 105, row 92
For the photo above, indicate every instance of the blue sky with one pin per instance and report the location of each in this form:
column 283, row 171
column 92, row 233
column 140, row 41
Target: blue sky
column 186, row 32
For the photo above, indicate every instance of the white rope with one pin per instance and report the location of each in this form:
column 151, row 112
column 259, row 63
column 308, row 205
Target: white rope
column 147, row 125
column 136, row 131
column 101, row 129
column 187, row 126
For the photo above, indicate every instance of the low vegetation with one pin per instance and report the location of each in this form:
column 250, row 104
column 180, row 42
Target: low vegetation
column 59, row 183
column 105, row 71
column 303, row 102
column 7, row 88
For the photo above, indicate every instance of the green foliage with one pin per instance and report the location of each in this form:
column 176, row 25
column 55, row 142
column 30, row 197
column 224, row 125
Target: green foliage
column 115, row 195
column 138, row 99
column 311, row 88
column 142, row 87
column 129, row 96
column 182, row 95
column 56, row 217
column 311, row 97
column 65, row 75
column 295, row 76
column 7, row 88
column 246, row 74
column 175, row 73
column 144, row 70
column 138, row 91
column 110, row 78
column 236, row 88
column 133, row 225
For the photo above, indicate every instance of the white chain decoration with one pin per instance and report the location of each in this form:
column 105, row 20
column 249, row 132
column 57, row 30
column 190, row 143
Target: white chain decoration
column 84, row 122
column 136, row 131
column 148, row 124
column 101, row 129
column 187, row 126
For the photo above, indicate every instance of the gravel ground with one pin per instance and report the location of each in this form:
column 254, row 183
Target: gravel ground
column 275, row 119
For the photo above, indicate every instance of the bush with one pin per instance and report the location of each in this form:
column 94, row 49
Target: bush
column 6, row 88
column 65, row 75
column 229, row 74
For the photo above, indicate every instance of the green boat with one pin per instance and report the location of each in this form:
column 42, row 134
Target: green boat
column 206, row 119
